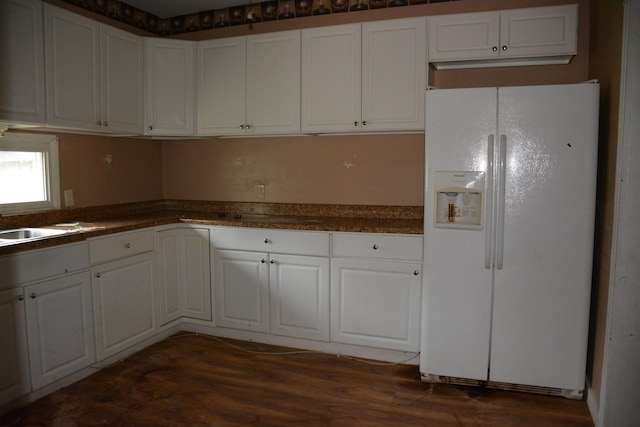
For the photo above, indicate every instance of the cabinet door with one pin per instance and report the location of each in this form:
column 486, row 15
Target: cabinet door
column 196, row 292
column 273, row 83
column 331, row 79
column 124, row 303
column 299, row 288
column 169, row 275
column 72, row 45
column 60, row 328
column 464, row 36
column 394, row 74
column 222, row 68
column 539, row 31
column 122, row 56
column 22, row 62
column 375, row 303
column 14, row 375
column 170, row 87
column 242, row 290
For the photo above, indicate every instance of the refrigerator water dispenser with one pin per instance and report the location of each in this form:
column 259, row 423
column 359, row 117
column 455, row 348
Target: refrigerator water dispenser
column 459, row 199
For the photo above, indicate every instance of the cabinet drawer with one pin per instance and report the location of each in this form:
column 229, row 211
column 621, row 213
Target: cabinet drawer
column 377, row 246
column 268, row 240
column 120, row 245
column 43, row 263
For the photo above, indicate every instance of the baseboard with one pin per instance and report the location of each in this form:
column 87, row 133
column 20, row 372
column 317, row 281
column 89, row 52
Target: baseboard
column 593, row 405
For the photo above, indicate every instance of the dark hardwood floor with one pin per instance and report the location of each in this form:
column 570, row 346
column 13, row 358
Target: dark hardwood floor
column 198, row 381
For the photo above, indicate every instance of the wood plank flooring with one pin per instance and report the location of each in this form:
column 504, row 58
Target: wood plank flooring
column 193, row 380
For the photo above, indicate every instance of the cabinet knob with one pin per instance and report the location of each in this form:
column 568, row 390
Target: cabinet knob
column 20, row 297
column 504, row 47
column 375, row 247
column 99, row 123
column 272, row 262
column 248, row 127
column 106, row 124
column 241, row 126
column 266, row 240
column 32, row 295
column 98, row 275
column 416, row 272
column 364, row 123
column 356, row 123
column 127, row 245
column 263, row 261
column 495, row 48
column 150, row 128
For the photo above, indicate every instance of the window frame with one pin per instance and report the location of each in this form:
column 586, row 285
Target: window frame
column 47, row 144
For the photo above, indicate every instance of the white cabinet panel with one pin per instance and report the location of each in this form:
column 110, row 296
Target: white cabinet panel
column 221, row 91
column 184, row 278
column 299, row 287
column 375, row 303
column 72, row 48
column 22, row 97
column 124, row 303
column 95, row 74
column 242, row 290
column 377, row 246
column 60, row 327
column 14, row 356
column 249, row 85
column 314, row 243
column 332, row 78
column 540, row 35
column 170, row 87
column 122, row 81
column 394, row 74
column 364, row 77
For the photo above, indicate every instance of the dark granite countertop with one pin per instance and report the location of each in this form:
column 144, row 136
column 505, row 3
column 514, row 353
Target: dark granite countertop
column 289, row 219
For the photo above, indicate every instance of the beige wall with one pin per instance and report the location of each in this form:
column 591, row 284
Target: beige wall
column 364, row 170
column 605, row 65
column 134, row 175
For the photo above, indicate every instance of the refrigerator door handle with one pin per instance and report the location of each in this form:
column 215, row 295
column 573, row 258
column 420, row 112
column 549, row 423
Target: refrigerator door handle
column 501, row 201
column 489, row 204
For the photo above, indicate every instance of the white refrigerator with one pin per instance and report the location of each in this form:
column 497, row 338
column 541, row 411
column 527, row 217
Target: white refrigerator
column 508, row 236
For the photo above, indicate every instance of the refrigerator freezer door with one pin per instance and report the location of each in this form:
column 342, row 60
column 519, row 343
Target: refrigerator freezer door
column 458, row 288
column 542, row 291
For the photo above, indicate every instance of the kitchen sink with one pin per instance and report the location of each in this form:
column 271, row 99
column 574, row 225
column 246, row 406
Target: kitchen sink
column 19, row 235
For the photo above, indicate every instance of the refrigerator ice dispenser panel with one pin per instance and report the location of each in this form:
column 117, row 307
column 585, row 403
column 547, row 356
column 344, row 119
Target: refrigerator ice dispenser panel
column 459, row 200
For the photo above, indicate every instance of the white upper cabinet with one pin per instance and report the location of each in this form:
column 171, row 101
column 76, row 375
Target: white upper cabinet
column 541, row 35
column 122, row 81
column 170, row 87
column 368, row 77
column 21, row 62
column 73, row 70
column 249, row 85
column 94, row 75
column 222, row 71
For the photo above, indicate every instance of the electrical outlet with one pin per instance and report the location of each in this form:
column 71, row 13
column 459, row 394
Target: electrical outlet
column 68, row 198
column 260, row 191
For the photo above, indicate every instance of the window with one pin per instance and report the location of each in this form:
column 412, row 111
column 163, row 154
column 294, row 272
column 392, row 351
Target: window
column 29, row 174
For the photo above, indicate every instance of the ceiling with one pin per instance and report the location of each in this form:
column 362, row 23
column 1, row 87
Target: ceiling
column 169, row 8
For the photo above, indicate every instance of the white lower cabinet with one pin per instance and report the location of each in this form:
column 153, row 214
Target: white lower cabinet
column 59, row 327
column 375, row 290
column 14, row 375
column 283, row 290
column 124, row 294
column 184, row 278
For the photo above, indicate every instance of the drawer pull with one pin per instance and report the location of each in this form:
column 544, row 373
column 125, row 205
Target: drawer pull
column 127, row 245
column 416, row 272
column 98, row 275
column 20, row 297
column 375, row 247
column 266, row 240
column 32, row 295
